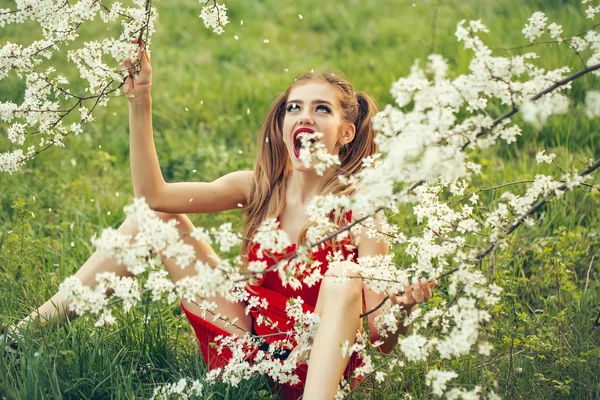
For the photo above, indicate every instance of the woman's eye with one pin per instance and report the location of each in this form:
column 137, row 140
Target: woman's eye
column 292, row 107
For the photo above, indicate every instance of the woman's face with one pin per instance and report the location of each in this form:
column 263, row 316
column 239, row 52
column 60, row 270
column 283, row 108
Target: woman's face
column 314, row 106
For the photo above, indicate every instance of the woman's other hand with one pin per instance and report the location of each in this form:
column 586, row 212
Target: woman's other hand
column 138, row 81
column 413, row 294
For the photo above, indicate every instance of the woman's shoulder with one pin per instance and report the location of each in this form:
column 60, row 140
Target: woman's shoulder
column 243, row 181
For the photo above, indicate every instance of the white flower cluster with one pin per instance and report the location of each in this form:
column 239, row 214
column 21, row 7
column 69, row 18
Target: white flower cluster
column 315, row 153
column 306, row 324
column 183, row 388
column 518, row 206
column 360, row 348
column 536, row 25
column 438, row 379
column 247, row 362
column 381, row 274
column 271, row 238
column 591, row 10
column 225, row 237
column 319, row 212
column 159, row 284
column 537, row 113
column 592, row 104
column 214, row 16
column 83, row 299
column 389, row 320
column 49, row 97
column 540, row 157
column 154, row 237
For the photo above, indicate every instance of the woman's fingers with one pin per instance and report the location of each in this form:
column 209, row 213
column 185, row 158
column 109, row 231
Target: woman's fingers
column 408, row 294
column 145, row 57
column 394, row 298
column 136, row 70
column 123, row 70
column 140, row 61
column 404, row 299
column 417, row 291
column 129, row 67
column 426, row 287
column 142, row 54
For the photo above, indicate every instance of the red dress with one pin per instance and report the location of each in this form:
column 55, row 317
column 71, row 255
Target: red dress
column 271, row 289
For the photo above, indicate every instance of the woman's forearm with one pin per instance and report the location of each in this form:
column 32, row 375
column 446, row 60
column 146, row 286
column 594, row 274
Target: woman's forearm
column 390, row 342
column 145, row 169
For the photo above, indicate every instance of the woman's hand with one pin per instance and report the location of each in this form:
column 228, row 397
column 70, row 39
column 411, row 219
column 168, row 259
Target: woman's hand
column 139, row 79
column 413, row 294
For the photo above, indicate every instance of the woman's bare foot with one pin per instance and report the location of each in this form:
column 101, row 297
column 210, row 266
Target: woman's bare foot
column 10, row 338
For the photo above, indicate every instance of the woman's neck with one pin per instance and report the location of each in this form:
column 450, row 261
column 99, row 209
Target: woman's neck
column 302, row 187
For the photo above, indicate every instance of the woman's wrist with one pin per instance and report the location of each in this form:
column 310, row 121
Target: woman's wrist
column 139, row 100
column 140, row 94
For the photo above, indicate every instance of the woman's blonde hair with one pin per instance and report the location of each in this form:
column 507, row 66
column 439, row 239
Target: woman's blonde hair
column 273, row 165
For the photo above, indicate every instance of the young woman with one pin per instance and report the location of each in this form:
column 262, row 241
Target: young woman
column 279, row 186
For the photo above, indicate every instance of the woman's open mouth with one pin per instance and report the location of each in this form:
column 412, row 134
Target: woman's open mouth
column 298, row 141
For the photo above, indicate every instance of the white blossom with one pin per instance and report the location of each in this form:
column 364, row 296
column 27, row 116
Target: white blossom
column 485, row 348
column 537, row 113
column 315, row 153
column 592, row 104
column 540, row 157
column 536, row 25
column 438, row 380
column 555, row 31
column 215, row 17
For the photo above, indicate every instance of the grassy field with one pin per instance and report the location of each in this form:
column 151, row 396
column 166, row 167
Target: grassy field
column 210, row 95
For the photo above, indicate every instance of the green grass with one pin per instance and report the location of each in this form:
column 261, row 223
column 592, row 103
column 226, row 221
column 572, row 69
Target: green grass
column 538, row 328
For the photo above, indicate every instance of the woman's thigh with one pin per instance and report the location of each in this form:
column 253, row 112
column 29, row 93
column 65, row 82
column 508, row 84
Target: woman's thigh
column 204, row 252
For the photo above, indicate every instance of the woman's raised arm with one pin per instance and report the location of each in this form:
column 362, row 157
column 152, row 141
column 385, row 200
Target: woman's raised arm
column 228, row 192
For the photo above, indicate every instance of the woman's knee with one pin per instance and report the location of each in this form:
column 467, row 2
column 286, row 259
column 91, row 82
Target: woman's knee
column 168, row 216
column 131, row 223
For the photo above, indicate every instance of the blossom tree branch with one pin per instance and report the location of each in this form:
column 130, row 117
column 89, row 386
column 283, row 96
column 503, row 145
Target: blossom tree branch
column 550, row 89
column 508, row 231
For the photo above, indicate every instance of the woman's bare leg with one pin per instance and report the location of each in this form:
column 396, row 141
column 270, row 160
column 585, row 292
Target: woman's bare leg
column 97, row 264
column 339, row 305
